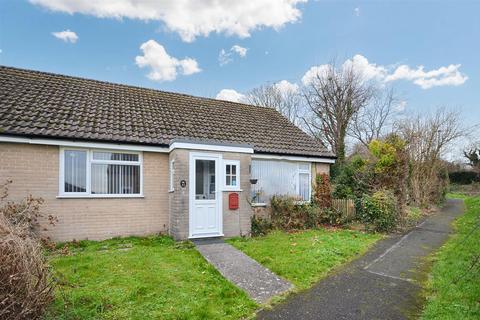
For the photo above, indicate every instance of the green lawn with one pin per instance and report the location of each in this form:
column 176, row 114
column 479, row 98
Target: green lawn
column 305, row 257
column 143, row 278
column 454, row 286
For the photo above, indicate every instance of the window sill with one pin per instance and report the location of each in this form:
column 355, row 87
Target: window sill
column 102, row 196
column 232, row 190
column 300, row 202
column 259, row 204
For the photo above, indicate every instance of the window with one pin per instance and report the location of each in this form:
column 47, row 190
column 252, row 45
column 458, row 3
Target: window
column 100, row 173
column 304, row 183
column 232, row 174
column 275, row 177
column 75, row 171
column 205, row 179
column 172, row 176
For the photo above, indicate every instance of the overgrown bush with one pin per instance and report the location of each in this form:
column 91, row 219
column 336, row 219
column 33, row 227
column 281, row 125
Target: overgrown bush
column 323, row 191
column 260, row 226
column 26, row 283
column 352, row 179
column 378, row 210
column 288, row 214
column 331, row 216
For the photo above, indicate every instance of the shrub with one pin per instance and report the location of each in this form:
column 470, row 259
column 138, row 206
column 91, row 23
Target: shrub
column 352, row 179
column 260, row 226
column 331, row 216
column 26, row 284
column 323, row 191
column 378, row 210
column 285, row 213
column 288, row 214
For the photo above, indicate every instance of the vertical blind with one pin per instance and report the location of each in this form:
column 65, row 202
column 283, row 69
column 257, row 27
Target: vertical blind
column 115, row 179
column 275, row 177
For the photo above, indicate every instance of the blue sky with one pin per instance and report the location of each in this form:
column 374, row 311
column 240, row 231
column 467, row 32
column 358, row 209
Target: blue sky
column 283, row 40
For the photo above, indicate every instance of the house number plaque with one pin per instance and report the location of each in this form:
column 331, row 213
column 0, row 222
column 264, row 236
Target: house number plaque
column 183, row 183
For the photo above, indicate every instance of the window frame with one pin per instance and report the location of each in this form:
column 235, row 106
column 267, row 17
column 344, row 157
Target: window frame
column 90, row 161
column 237, row 175
column 304, row 171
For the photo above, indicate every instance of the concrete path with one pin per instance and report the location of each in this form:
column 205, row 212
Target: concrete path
column 380, row 285
column 259, row 282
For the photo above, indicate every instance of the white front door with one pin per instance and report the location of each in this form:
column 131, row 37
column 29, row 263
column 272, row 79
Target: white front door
column 205, row 196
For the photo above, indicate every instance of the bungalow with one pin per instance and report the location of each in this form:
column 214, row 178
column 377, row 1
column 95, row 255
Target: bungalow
column 116, row 160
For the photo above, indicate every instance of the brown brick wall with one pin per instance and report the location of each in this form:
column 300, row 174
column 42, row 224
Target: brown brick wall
column 34, row 170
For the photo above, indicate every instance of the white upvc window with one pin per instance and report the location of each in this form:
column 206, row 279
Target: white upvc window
column 100, row 173
column 281, row 177
column 171, row 180
column 304, row 181
column 232, row 174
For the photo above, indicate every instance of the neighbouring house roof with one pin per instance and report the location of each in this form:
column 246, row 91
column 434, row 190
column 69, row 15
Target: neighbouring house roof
column 40, row 104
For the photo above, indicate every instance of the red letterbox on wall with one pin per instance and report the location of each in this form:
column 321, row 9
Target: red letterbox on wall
column 233, row 201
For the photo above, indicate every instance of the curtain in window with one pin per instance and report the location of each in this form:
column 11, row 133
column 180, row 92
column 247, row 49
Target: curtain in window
column 277, row 177
column 304, row 186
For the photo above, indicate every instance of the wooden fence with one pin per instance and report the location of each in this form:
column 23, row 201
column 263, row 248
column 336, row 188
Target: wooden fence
column 346, row 207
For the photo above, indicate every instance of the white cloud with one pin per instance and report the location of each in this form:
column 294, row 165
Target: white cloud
column 242, row 52
column 189, row 66
column 443, row 76
column 230, row 95
column 66, row 35
column 357, row 11
column 225, row 57
column 286, row 87
column 164, row 67
column 313, row 72
column 368, row 70
column 190, row 18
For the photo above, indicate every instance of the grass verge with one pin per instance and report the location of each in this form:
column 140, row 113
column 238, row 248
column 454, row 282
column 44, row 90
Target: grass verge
column 453, row 290
column 143, row 278
column 305, row 257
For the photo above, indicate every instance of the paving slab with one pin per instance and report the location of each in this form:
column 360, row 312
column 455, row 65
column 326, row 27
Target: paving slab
column 380, row 285
column 259, row 282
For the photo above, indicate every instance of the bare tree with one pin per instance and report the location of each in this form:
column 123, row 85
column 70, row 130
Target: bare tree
column 284, row 99
column 334, row 96
column 428, row 137
column 375, row 119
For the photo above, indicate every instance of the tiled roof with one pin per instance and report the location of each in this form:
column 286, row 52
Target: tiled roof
column 34, row 103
